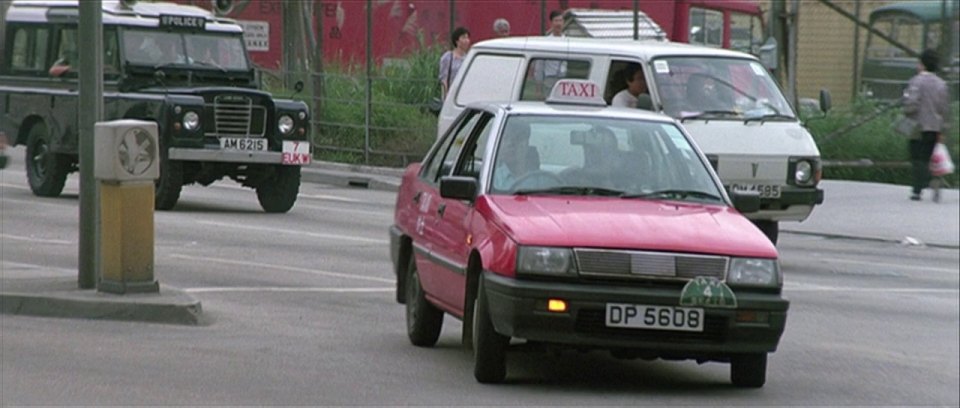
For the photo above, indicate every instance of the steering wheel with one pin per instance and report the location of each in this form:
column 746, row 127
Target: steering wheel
column 553, row 179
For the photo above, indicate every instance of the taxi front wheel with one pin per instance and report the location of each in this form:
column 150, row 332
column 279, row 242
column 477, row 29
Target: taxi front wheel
column 489, row 347
column 748, row 370
column 424, row 320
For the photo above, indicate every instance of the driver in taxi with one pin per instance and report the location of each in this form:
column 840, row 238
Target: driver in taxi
column 515, row 158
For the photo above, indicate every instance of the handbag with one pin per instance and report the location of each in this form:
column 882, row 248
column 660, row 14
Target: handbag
column 940, row 162
column 907, row 127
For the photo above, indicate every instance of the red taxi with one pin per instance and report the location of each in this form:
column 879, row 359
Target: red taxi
column 573, row 224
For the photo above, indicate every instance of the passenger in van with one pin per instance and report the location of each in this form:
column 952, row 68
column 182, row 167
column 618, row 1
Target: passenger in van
column 63, row 64
column 636, row 85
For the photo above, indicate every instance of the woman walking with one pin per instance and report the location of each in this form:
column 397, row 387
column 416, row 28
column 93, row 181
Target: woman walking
column 451, row 60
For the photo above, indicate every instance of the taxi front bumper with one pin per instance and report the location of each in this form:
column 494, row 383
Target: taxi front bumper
column 518, row 309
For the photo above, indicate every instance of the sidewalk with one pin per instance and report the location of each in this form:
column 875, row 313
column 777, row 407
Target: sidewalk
column 852, row 210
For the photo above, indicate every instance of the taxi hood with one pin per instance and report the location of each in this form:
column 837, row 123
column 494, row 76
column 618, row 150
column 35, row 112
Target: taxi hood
column 640, row 224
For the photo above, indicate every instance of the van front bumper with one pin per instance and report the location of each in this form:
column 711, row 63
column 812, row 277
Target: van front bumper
column 518, row 309
column 794, row 204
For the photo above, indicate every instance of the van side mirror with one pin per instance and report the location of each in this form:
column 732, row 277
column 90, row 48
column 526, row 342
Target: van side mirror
column 745, row 201
column 825, row 103
column 645, row 102
column 458, row 187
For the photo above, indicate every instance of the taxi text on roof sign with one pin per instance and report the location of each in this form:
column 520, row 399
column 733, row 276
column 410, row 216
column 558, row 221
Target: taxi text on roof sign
column 576, row 91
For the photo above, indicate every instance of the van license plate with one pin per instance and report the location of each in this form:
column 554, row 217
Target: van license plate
column 654, row 317
column 765, row 190
column 243, row 143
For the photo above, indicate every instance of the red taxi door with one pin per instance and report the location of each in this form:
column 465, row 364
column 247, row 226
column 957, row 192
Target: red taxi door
column 441, row 270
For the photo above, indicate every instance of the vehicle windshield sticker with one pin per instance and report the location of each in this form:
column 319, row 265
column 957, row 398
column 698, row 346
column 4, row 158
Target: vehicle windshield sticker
column 707, row 292
column 675, row 136
column 661, row 67
column 757, row 68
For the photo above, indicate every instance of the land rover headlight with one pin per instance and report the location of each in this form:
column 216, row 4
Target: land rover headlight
column 754, row 272
column 804, row 172
column 191, row 121
column 545, row 261
column 285, row 124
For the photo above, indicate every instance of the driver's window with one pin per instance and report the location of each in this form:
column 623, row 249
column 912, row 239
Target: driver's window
column 475, row 150
column 444, row 157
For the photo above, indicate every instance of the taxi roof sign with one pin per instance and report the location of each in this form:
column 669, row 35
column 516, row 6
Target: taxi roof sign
column 576, row 91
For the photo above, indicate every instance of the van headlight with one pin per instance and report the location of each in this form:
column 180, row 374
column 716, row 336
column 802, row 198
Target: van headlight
column 191, row 121
column 754, row 272
column 548, row 261
column 285, row 124
column 803, row 173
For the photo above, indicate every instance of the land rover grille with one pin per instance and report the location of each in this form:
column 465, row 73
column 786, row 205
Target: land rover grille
column 237, row 116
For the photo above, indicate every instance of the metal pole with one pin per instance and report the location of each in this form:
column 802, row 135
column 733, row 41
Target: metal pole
column 856, row 54
column 543, row 16
column 368, row 99
column 792, row 51
column 453, row 18
column 776, row 31
column 90, row 112
column 636, row 20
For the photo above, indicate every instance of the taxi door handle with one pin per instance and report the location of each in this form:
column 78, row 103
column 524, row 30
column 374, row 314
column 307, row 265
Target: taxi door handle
column 441, row 209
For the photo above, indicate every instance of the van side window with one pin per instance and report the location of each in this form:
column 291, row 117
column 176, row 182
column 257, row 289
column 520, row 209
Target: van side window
column 706, row 27
column 543, row 73
column 616, row 79
column 483, row 71
column 28, row 53
column 66, row 60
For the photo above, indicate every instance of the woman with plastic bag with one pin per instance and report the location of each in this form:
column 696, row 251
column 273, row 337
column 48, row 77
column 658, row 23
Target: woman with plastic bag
column 925, row 101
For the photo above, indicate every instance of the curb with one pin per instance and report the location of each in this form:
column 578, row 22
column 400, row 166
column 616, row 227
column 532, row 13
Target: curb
column 59, row 297
column 871, row 239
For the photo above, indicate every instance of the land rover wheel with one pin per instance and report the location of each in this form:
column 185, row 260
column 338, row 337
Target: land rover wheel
column 748, row 370
column 489, row 347
column 46, row 170
column 279, row 193
column 170, row 183
column 769, row 228
column 424, row 320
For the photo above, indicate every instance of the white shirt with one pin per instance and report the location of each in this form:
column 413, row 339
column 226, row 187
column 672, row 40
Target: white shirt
column 625, row 99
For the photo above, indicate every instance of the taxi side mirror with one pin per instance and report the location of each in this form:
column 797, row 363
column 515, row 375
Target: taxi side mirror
column 746, row 201
column 458, row 187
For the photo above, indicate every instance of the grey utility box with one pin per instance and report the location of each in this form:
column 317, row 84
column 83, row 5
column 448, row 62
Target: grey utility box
column 126, row 150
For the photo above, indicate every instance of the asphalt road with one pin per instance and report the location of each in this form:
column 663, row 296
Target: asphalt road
column 302, row 312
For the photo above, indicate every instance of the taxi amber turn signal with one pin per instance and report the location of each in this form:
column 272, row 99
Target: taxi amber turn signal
column 557, row 305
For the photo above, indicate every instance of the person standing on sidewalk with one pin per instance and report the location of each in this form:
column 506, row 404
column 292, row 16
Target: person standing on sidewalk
column 501, row 28
column 925, row 101
column 451, row 60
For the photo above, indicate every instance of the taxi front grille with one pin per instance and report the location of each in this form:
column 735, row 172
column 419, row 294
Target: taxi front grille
column 593, row 322
column 638, row 264
column 237, row 116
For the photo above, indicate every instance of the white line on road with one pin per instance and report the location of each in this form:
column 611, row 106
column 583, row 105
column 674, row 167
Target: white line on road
column 295, row 232
column 37, row 240
column 810, row 287
column 313, row 196
column 286, row 289
column 61, row 203
column 954, row 271
column 281, row 267
column 346, row 210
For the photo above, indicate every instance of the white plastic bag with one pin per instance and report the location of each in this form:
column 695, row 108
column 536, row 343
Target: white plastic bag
column 940, row 163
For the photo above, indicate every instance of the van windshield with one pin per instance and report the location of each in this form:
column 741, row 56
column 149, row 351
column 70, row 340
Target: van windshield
column 718, row 88
column 159, row 48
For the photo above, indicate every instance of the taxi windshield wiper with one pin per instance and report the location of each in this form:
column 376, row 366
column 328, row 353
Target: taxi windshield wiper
column 675, row 194
column 767, row 116
column 572, row 190
column 710, row 113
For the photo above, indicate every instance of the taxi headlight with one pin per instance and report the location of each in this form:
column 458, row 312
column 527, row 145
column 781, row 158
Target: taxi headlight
column 754, row 272
column 804, row 172
column 285, row 124
column 545, row 261
column 191, row 121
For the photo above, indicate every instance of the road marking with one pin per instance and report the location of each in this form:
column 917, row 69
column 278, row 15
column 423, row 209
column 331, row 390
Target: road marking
column 811, row 287
column 11, row 264
column 281, row 267
column 313, row 196
column 61, row 204
column 286, row 289
column 296, row 232
column 884, row 264
column 16, row 186
column 335, row 209
column 37, row 240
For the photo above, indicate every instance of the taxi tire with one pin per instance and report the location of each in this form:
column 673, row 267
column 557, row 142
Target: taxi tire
column 748, row 370
column 489, row 347
column 424, row 320
column 46, row 171
column 169, row 184
column 280, row 193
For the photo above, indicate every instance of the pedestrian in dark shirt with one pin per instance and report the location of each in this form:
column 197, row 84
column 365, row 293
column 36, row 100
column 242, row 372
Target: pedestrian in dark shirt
column 925, row 101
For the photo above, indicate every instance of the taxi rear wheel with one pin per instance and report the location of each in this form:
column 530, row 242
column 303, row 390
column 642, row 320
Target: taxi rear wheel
column 748, row 370
column 489, row 347
column 424, row 320
column 46, row 170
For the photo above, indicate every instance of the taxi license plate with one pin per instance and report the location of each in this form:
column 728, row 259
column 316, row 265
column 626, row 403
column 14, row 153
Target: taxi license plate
column 631, row 316
column 243, row 143
column 765, row 190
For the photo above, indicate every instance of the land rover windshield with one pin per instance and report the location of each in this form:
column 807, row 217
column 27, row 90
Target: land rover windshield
column 719, row 88
column 190, row 50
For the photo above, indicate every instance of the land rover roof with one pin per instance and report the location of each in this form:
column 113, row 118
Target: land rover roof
column 644, row 48
column 140, row 14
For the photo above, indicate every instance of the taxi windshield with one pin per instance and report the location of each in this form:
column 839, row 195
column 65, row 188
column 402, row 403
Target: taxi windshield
column 159, row 49
column 718, row 88
column 597, row 156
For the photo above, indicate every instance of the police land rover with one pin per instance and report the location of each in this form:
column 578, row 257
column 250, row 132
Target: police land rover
column 180, row 66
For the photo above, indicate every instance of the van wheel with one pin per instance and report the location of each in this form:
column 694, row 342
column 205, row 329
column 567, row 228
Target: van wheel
column 769, row 228
column 489, row 347
column 748, row 370
column 169, row 184
column 46, row 170
column 278, row 194
column 424, row 320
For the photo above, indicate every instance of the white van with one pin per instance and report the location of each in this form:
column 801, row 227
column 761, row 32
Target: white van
column 743, row 123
